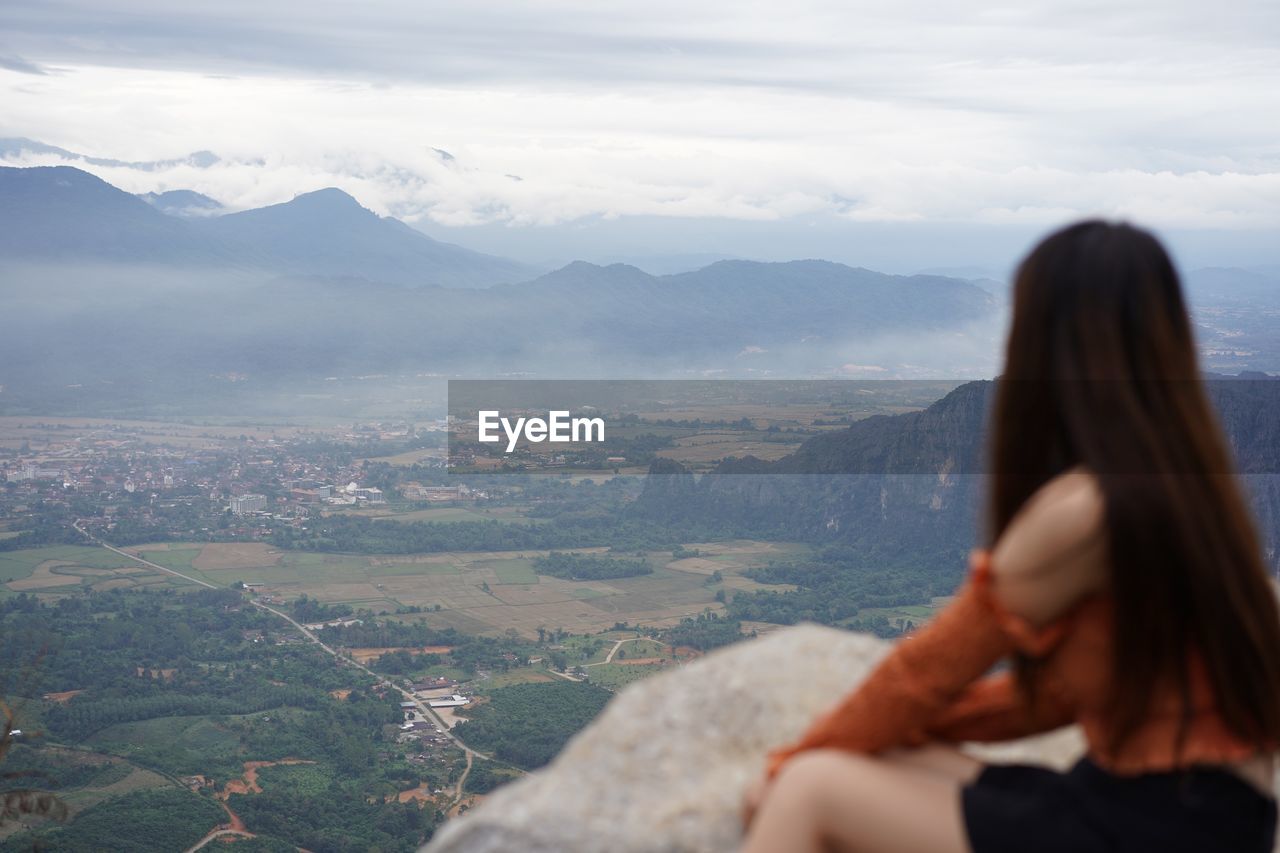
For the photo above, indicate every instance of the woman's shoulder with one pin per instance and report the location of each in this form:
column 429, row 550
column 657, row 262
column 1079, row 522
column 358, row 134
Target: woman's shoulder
column 1053, row 553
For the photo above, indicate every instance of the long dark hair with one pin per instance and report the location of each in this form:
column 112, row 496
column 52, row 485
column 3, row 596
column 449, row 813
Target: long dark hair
column 1101, row 372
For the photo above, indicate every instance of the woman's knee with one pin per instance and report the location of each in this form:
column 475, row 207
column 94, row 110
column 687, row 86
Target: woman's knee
column 818, row 773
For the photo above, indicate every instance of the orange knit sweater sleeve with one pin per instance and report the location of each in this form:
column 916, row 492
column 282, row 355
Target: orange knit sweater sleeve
column 926, row 674
column 993, row 709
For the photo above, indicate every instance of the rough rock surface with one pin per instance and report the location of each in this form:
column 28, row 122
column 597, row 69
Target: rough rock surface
column 664, row 767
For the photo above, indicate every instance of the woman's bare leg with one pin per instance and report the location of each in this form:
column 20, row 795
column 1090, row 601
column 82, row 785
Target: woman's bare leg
column 947, row 761
column 830, row 800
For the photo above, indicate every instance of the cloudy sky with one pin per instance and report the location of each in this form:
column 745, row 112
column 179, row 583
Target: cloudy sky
column 804, row 126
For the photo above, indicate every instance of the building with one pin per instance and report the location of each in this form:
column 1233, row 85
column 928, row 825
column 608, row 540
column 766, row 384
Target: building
column 439, row 682
column 416, row 492
column 245, row 504
column 454, row 701
column 333, row 623
column 30, row 472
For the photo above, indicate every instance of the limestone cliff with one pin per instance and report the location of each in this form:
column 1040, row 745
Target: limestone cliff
column 908, row 489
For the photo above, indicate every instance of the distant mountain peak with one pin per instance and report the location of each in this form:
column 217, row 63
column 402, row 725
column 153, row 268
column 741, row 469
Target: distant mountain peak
column 578, row 273
column 327, row 195
column 329, row 200
column 64, row 213
column 316, row 209
column 184, row 203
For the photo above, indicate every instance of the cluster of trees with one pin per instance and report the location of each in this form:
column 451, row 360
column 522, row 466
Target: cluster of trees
column 484, row 777
column 404, row 662
column 48, row 525
column 833, row 587
column 705, row 632
column 578, row 567
column 466, row 652
column 58, row 771
column 157, row 819
column 312, row 610
column 79, row 718
column 339, row 819
column 742, row 424
column 193, row 665
column 527, row 724
column 622, row 532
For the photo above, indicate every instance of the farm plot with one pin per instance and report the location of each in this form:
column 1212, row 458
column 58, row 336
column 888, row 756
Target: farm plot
column 615, row 676
column 483, row 592
column 486, row 592
column 182, row 745
column 65, row 569
column 508, row 515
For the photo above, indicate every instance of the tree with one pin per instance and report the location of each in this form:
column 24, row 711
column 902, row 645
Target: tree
column 20, row 801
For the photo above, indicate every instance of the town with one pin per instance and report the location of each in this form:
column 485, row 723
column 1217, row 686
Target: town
column 211, row 485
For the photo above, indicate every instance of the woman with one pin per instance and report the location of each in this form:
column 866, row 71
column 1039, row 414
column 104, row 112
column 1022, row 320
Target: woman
column 1125, row 586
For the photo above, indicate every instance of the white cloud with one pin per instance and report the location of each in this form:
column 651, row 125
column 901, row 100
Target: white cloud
column 925, row 112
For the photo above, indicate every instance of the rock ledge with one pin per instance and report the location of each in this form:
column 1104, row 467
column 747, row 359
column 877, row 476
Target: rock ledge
column 664, row 766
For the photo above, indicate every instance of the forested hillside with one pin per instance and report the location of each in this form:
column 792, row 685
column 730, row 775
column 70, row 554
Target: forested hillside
column 895, row 502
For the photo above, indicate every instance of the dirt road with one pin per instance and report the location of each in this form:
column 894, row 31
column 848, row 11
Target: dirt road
column 342, row 659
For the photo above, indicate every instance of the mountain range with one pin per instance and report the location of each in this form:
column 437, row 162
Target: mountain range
column 168, row 289
column 66, row 215
column 113, row 287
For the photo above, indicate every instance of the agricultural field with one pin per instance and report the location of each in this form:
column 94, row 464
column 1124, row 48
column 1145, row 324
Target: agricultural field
column 40, row 434
column 411, row 457
column 182, row 745
column 477, row 592
column 521, row 675
column 104, row 779
column 64, row 569
column 82, row 779
column 415, row 512
column 698, row 451
column 701, row 448
column 846, row 400
column 616, row 676
column 482, row 592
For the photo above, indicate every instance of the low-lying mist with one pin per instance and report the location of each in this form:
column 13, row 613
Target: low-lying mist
column 109, row 338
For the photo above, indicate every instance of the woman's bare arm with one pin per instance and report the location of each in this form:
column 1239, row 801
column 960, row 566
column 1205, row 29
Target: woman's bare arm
column 1054, row 552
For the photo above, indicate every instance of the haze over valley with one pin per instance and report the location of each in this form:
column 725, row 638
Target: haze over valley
column 301, row 302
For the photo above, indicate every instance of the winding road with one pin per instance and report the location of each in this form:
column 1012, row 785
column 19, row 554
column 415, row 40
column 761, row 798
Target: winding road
column 342, row 659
